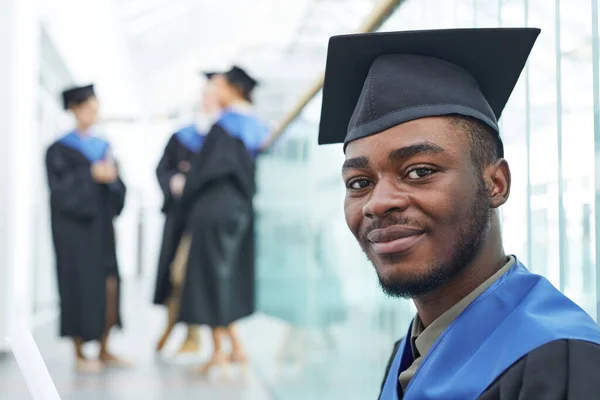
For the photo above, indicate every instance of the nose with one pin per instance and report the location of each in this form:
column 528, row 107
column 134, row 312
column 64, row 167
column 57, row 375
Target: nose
column 385, row 198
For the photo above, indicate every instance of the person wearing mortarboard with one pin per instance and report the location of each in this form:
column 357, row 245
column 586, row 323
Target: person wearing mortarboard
column 417, row 113
column 216, row 206
column 86, row 194
column 171, row 173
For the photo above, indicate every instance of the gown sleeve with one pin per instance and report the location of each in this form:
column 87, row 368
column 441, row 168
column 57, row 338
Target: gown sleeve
column 72, row 189
column 167, row 167
column 563, row 369
column 117, row 194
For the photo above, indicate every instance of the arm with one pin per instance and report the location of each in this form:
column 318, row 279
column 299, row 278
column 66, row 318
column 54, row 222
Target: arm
column 118, row 190
column 166, row 169
column 72, row 189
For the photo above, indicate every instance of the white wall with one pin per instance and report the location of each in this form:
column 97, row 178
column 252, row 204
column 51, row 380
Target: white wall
column 19, row 51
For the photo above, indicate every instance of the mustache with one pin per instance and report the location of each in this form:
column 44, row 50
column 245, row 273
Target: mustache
column 392, row 220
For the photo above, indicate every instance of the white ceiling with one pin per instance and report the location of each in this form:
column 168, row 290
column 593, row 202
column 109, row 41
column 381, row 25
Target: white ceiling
column 282, row 42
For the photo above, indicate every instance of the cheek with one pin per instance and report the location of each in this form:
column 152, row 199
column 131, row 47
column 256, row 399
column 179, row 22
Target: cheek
column 451, row 206
column 354, row 215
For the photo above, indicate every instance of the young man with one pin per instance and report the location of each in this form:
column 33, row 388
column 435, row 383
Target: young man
column 217, row 208
column 171, row 173
column 86, row 194
column 425, row 175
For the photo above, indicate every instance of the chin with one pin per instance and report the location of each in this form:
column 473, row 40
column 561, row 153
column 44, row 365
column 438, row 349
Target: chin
column 408, row 277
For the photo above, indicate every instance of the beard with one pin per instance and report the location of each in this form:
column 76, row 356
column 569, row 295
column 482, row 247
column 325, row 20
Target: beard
column 470, row 239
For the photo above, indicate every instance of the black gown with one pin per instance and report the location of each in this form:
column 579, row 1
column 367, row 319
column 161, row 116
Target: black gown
column 216, row 207
column 82, row 213
column 562, row 369
column 169, row 165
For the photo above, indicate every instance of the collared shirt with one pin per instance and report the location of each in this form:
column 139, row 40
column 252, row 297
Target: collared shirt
column 423, row 338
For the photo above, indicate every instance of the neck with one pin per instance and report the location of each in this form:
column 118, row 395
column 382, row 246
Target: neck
column 239, row 103
column 491, row 258
column 83, row 129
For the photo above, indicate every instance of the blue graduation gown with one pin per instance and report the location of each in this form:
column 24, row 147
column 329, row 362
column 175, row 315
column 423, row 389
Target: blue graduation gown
column 245, row 127
column 521, row 319
column 82, row 213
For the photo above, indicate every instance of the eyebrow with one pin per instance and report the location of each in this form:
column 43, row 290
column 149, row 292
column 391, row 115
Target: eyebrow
column 395, row 155
column 355, row 163
column 425, row 148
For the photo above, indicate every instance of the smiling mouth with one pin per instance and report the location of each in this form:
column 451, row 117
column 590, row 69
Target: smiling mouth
column 395, row 239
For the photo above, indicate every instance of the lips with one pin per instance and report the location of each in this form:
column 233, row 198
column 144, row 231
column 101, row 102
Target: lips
column 394, row 239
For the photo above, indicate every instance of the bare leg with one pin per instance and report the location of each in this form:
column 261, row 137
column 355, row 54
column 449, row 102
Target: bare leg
column 78, row 342
column 112, row 318
column 238, row 354
column 191, row 344
column 218, row 358
column 172, row 311
column 82, row 363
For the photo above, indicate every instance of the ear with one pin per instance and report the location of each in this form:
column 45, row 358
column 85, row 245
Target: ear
column 499, row 180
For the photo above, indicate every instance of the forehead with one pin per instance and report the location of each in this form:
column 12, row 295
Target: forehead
column 90, row 101
column 219, row 80
column 438, row 131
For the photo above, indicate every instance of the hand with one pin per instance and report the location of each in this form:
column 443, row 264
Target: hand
column 177, row 184
column 104, row 172
column 184, row 167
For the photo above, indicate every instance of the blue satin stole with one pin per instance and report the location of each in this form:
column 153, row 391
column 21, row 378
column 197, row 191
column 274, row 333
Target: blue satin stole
column 190, row 138
column 245, row 127
column 91, row 147
column 515, row 315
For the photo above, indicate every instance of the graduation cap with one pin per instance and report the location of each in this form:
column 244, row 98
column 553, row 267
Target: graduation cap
column 239, row 78
column 379, row 80
column 77, row 95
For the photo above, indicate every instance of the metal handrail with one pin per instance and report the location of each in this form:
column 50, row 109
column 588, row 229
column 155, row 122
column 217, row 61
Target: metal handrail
column 374, row 20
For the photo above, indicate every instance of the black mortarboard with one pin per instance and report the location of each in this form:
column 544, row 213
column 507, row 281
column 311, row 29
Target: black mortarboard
column 379, row 80
column 77, row 95
column 239, row 78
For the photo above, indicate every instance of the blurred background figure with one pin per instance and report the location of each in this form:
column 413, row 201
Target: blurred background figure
column 86, row 194
column 218, row 289
column 171, row 172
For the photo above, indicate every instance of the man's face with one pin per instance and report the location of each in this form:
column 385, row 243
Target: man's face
column 222, row 89
column 210, row 102
column 86, row 113
column 416, row 203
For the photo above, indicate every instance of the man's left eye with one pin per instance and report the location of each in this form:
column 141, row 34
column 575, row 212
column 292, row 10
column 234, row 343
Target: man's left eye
column 420, row 173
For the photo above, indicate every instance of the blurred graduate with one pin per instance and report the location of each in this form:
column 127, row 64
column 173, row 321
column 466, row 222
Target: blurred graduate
column 216, row 207
column 86, row 194
column 171, row 173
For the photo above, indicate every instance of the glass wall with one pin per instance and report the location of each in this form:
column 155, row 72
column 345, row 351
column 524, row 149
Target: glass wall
column 313, row 279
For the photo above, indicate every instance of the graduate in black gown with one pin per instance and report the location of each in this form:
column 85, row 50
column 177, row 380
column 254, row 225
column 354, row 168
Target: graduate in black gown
column 171, row 173
column 217, row 205
column 86, row 194
column 425, row 174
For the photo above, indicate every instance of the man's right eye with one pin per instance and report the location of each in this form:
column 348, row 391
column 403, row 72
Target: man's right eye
column 358, row 184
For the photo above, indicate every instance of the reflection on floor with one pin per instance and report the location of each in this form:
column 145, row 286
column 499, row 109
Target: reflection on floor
column 345, row 361
column 151, row 379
